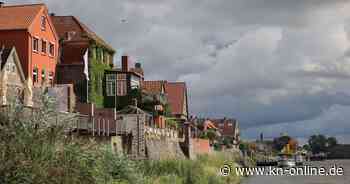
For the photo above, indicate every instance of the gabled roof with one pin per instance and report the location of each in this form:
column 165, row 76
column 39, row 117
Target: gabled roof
column 18, row 17
column 65, row 24
column 176, row 92
column 209, row 125
column 5, row 53
column 155, row 87
column 226, row 130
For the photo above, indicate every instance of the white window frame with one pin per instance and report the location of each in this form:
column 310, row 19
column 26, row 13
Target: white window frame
column 42, row 46
column 111, row 84
column 35, row 72
column 53, row 51
column 38, row 40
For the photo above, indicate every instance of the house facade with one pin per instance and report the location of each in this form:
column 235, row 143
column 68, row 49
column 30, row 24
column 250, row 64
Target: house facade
column 176, row 93
column 154, row 95
column 30, row 29
column 13, row 85
column 122, row 84
column 228, row 128
column 83, row 58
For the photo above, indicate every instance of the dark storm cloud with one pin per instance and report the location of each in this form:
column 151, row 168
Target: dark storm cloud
column 270, row 63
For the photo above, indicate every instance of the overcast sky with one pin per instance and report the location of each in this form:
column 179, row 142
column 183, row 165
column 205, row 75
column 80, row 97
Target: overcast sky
column 275, row 65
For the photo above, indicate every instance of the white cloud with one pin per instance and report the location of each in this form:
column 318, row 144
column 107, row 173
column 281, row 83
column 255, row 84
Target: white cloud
column 268, row 63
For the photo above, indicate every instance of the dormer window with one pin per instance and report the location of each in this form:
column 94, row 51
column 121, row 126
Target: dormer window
column 43, row 23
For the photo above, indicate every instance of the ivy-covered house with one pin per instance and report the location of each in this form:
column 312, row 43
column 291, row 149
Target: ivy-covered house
column 84, row 57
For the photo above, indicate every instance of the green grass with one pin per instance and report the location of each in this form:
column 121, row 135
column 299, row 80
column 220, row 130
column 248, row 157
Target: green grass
column 34, row 151
column 203, row 170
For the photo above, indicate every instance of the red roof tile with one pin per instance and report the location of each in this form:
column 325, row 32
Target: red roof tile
column 176, row 96
column 18, row 17
column 226, row 126
column 153, row 86
column 65, row 24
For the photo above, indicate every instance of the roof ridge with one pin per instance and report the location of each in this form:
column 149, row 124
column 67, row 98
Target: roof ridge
column 21, row 5
column 92, row 34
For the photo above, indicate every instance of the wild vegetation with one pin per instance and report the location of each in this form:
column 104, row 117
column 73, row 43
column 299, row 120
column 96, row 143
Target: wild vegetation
column 36, row 148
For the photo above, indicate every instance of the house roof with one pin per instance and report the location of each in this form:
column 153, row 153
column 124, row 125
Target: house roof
column 209, row 125
column 225, row 129
column 18, row 17
column 5, row 53
column 176, row 96
column 66, row 24
column 153, row 86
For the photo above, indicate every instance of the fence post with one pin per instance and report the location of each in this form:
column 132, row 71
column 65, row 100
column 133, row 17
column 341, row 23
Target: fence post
column 99, row 127
column 93, row 126
column 108, row 128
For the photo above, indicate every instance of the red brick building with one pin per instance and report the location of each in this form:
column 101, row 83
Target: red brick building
column 29, row 28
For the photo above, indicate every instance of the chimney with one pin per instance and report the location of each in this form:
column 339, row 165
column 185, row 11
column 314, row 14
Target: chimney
column 125, row 63
column 2, row 4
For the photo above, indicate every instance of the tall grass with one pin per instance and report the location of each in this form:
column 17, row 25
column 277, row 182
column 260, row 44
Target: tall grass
column 33, row 150
column 203, row 170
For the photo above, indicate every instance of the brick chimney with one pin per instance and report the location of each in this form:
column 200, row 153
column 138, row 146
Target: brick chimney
column 125, row 63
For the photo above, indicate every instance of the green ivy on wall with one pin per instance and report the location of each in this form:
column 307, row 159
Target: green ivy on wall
column 96, row 75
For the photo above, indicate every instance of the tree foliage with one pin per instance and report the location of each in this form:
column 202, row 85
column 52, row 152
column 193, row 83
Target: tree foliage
column 320, row 143
column 280, row 142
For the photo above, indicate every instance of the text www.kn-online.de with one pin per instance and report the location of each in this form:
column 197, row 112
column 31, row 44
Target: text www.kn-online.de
column 278, row 171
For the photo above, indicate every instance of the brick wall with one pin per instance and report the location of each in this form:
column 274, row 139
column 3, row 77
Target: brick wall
column 201, row 146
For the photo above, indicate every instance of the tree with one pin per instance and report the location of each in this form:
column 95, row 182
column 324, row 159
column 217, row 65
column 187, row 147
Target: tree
column 331, row 142
column 318, row 143
column 306, row 147
column 280, row 142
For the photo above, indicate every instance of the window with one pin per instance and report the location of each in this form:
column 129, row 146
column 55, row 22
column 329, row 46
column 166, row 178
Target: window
column 110, row 84
column 43, row 46
column 110, row 88
column 36, row 44
column 121, row 85
column 43, row 23
column 13, row 68
column 35, row 75
column 102, row 56
column 51, row 77
column 43, row 76
column 52, row 49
